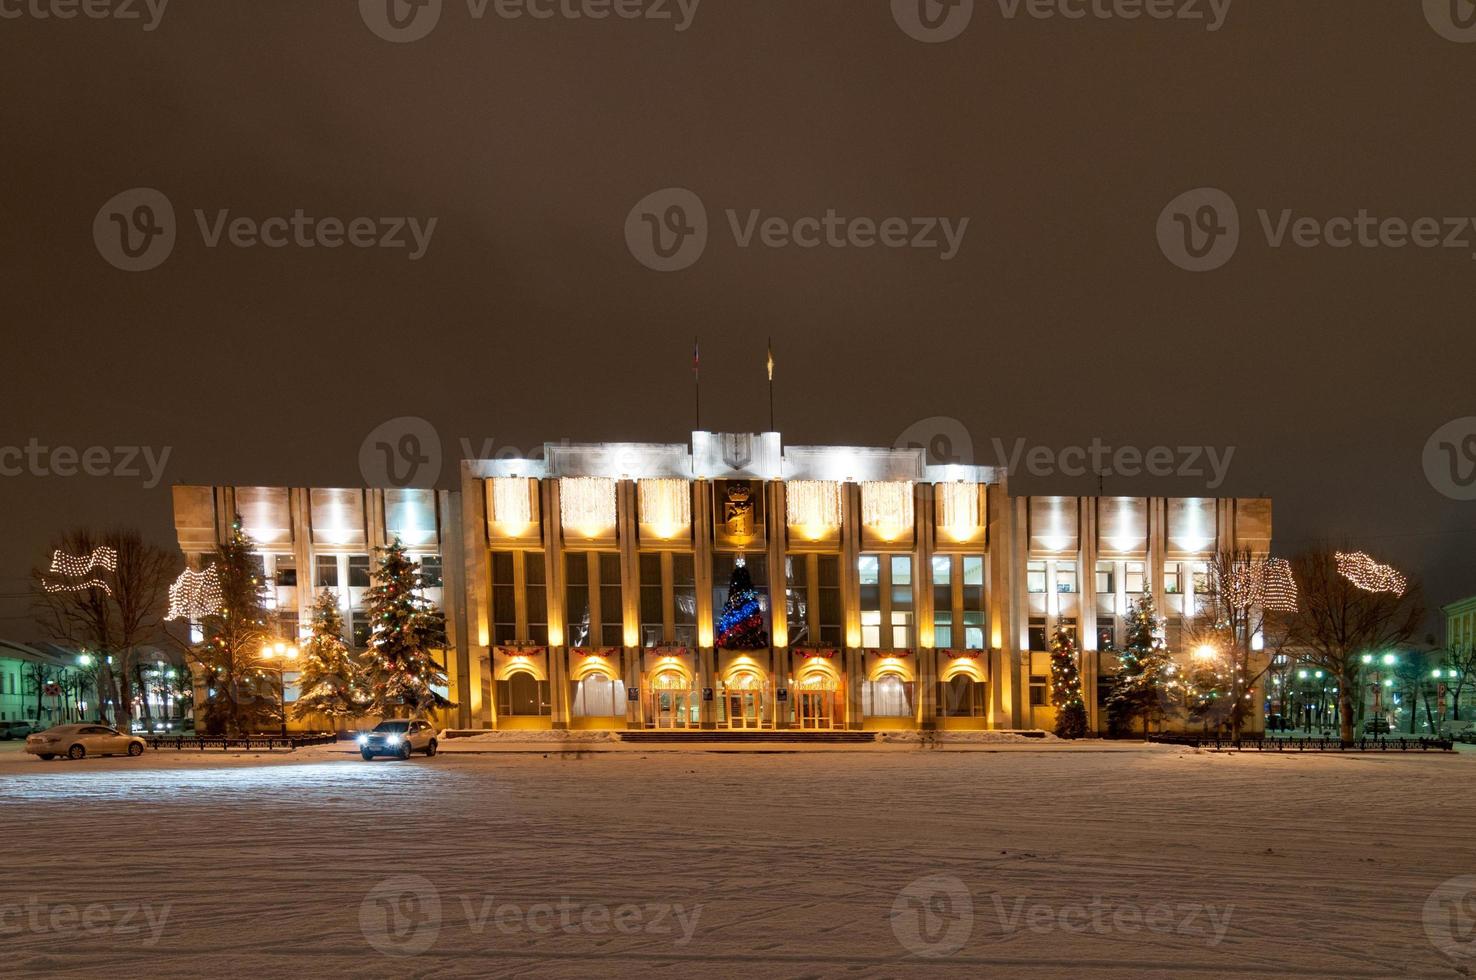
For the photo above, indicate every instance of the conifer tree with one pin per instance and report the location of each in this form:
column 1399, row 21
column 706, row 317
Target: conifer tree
column 332, row 681
column 236, row 635
column 740, row 625
column 406, row 630
column 1071, row 719
column 1148, row 678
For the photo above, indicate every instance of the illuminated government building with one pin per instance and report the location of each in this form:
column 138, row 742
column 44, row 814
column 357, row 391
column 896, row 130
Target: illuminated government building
column 585, row 589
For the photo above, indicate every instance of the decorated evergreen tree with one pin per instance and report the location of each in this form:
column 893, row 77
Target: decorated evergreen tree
column 407, row 628
column 1071, row 719
column 331, row 682
column 242, row 696
column 1147, row 679
column 1209, row 682
column 740, row 626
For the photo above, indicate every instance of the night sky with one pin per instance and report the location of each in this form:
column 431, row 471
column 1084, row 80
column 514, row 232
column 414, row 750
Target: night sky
column 527, row 319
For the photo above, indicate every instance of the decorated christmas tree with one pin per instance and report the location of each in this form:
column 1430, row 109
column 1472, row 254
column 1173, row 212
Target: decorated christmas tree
column 740, row 626
column 1071, row 719
column 1209, row 682
column 331, row 682
column 407, row 629
column 242, row 696
column 1147, row 679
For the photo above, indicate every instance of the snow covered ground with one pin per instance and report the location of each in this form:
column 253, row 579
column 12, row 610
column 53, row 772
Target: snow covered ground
column 1031, row 863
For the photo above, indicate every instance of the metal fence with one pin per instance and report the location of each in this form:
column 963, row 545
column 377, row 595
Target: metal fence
column 224, row 743
column 1258, row 744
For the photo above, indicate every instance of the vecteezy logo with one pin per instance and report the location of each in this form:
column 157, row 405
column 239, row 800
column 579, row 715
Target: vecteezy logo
column 943, row 440
column 1450, row 458
column 932, row 21
column 403, row 452
column 135, row 230
column 933, row 916
column 1450, row 917
column 1454, row 20
column 1199, row 230
column 401, row 916
column 401, row 21
column 667, row 229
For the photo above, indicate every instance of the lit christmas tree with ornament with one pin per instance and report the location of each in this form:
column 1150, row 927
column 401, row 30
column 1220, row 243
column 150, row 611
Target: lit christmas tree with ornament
column 407, row 628
column 1147, row 678
column 740, row 626
column 242, row 697
column 332, row 682
column 1071, row 719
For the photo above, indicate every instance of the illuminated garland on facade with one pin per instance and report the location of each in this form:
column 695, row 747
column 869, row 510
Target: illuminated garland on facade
column 195, row 595
column 1369, row 575
column 665, row 504
column 886, row 506
column 512, row 501
column 812, row 504
column 958, row 509
column 587, row 503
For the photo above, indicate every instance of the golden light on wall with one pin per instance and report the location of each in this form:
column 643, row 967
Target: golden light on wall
column 886, row 507
column 665, row 506
column 958, row 510
column 587, row 504
column 813, row 507
column 512, row 502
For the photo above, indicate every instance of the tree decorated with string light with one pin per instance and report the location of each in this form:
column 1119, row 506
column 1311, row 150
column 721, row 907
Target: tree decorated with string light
column 407, row 630
column 332, row 682
column 1147, row 678
column 241, row 696
column 1071, row 719
column 740, row 625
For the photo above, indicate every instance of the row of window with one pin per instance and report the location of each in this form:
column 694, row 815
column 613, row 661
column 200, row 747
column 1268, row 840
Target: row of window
column 356, row 575
column 667, row 601
column 1135, row 578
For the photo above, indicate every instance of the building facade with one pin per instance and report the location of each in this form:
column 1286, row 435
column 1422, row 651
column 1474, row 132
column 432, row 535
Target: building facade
column 593, row 587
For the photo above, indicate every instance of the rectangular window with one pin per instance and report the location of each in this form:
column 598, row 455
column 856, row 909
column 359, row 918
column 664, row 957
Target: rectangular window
column 536, row 579
column 1035, row 577
column 973, row 602
column 1038, row 640
column 612, row 604
column 358, row 572
column 360, row 629
column 901, row 595
column 1065, row 576
column 1134, row 581
column 684, row 599
column 797, row 599
column 653, row 617
column 1106, row 634
column 327, row 572
column 578, row 608
column 1039, row 683
column 943, row 602
column 1201, row 577
column 1171, row 578
column 286, row 572
column 828, row 591
column 868, row 569
column 432, row 574
column 1105, row 576
column 504, row 600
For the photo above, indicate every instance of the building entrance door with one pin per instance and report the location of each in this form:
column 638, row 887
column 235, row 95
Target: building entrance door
column 673, row 708
column 745, row 708
column 817, row 710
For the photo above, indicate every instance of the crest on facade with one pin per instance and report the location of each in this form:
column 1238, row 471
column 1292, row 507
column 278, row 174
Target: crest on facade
column 738, row 449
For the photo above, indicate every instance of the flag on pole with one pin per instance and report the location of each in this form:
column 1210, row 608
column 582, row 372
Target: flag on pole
column 696, row 357
column 771, row 360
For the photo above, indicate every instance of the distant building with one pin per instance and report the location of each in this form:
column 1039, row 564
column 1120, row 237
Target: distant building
column 1460, row 624
column 585, row 589
column 42, row 682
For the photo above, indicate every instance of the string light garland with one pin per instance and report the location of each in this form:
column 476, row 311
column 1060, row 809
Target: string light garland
column 92, row 583
column 75, row 566
column 512, row 500
column 587, row 503
column 886, row 507
column 1369, row 575
column 195, row 595
column 813, row 504
column 1279, row 590
column 958, row 509
column 666, row 505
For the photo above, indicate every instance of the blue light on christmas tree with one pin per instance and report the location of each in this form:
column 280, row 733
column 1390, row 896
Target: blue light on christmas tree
column 740, row 626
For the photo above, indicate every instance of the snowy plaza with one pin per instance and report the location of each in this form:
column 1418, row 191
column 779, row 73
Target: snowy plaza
column 1111, row 860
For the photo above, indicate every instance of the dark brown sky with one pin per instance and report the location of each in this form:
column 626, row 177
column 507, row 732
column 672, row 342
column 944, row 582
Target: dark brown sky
column 530, row 140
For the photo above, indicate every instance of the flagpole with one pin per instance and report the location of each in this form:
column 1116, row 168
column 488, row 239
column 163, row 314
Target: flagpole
column 697, row 385
column 771, row 385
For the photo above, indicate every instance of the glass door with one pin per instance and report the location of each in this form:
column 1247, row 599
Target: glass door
column 817, row 710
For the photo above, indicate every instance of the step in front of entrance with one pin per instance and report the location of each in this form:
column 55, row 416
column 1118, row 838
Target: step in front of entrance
column 788, row 735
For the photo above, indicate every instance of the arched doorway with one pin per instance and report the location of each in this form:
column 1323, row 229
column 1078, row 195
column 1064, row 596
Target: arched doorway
column 673, row 702
column 816, row 693
column 744, row 697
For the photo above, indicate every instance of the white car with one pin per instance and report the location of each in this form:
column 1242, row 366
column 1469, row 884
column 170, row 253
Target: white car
column 398, row 737
column 80, row 741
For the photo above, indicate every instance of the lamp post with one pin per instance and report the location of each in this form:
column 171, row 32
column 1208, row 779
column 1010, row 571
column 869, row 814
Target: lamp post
column 287, row 653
